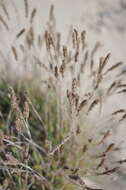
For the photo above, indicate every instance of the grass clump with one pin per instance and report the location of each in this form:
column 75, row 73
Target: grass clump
column 47, row 140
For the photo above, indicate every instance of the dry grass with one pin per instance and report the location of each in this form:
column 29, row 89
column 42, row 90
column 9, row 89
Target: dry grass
column 45, row 139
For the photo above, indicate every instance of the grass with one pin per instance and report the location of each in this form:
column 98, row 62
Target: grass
column 47, row 138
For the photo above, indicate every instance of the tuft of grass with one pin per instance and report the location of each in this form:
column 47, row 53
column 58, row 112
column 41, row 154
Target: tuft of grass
column 47, row 139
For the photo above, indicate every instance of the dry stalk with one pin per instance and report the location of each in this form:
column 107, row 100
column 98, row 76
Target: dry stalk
column 4, row 22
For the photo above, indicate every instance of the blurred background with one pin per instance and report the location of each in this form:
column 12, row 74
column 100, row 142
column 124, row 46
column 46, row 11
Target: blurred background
column 104, row 20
